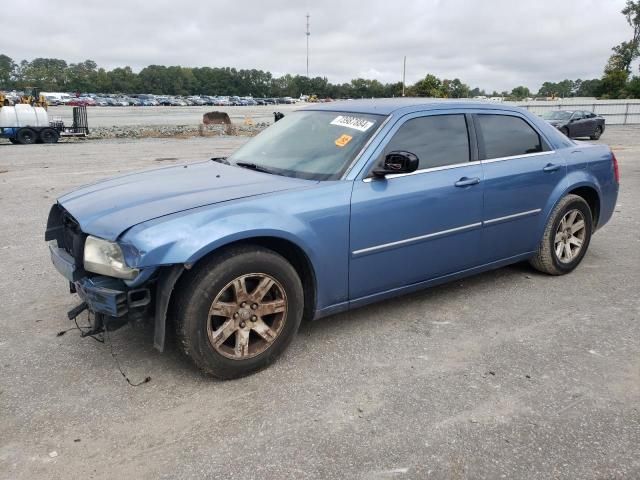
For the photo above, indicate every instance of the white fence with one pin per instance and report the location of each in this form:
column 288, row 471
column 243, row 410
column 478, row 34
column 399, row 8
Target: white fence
column 615, row 112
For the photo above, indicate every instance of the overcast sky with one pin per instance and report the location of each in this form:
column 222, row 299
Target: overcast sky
column 493, row 44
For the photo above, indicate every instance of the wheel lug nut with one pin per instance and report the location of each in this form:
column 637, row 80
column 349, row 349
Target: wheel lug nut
column 242, row 324
column 254, row 318
column 243, row 304
column 254, row 306
column 235, row 315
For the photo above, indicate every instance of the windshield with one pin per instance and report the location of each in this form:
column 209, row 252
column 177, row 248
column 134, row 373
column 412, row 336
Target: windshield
column 557, row 115
column 315, row 145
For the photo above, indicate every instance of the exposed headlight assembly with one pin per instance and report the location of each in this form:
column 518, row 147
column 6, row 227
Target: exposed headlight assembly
column 106, row 258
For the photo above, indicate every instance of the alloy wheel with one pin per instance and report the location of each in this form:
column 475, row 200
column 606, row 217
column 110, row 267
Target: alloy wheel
column 570, row 236
column 247, row 316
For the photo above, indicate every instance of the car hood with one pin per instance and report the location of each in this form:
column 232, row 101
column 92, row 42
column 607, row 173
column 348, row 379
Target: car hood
column 107, row 208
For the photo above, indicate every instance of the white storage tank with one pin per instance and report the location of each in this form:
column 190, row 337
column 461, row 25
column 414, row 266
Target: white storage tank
column 23, row 115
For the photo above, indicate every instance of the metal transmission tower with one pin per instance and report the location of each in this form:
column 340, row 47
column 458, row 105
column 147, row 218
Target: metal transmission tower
column 308, row 33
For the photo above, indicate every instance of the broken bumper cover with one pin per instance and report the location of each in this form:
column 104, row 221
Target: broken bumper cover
column 64, row 263
column 106, row 295
column 112, row 297
column 102, row 295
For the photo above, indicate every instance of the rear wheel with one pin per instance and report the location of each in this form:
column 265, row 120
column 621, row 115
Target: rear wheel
column 566, row 237
column 597, row 133
column 49, row 135
column 26, row 136
column 238, row 311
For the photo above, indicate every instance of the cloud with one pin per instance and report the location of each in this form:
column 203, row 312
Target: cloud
column 493, row 44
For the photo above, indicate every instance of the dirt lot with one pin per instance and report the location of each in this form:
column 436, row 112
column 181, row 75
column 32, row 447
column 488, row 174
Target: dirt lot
column 509, row 374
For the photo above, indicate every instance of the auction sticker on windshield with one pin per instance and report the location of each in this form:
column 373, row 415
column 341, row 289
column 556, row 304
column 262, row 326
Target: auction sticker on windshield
column 352, row 122
column 342, row 140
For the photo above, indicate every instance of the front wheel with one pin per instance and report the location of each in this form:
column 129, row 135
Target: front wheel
column 238, row 311
column 597, row 133
column 566, row 237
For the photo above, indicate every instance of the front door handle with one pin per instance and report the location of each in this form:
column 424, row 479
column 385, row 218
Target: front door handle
column 551, row 167
column 467, row 182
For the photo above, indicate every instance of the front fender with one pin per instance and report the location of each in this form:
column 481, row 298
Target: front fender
column 177, row 242
column 316, row 221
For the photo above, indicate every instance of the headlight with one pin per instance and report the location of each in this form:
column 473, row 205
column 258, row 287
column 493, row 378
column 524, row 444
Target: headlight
column 106, row 258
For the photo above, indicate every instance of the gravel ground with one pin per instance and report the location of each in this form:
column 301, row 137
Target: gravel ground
column 508, row 374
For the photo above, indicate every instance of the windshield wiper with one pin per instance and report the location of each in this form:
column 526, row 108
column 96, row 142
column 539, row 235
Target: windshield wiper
column 253, row 166
column 221, row 160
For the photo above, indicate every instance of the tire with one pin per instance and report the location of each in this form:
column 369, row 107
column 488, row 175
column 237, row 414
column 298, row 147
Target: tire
column 225, row 340
column 565, row 131
column 49, row 135
column 26, row 136
column 552, row 256
column 597, row 133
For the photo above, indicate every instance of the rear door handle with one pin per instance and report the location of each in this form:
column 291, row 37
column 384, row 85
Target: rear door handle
column 551, row 167
column 466, row 182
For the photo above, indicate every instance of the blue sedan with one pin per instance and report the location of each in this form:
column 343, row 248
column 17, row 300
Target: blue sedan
column 333, row 207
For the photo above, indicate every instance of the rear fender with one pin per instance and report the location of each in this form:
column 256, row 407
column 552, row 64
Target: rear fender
column 575, row 179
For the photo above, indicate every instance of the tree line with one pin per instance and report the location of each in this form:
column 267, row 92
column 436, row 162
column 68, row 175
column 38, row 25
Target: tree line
column 52, row 74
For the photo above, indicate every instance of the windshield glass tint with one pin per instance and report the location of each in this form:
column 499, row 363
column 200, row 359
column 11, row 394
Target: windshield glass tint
column 557, row 115
column 314, row 145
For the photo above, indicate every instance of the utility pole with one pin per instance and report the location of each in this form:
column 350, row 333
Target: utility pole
column 308, row 33
column 404, row 73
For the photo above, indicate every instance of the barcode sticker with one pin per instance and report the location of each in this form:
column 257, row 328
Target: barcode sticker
column 352, row 122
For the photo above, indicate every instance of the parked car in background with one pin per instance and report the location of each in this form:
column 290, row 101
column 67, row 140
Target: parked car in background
column 53, row 101
column 101, row 102
column 81, row 101
column 333, row 207
column 197, row 101
column 576, row 123
column 134, row 102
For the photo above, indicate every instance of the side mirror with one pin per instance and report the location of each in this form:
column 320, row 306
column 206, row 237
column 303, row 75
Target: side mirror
column 397, row 162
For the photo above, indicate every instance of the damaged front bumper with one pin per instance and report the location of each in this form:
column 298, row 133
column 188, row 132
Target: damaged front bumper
column 106, row 295
column 113, row 300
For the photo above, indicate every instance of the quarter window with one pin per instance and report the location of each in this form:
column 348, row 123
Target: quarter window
column 507, row 136
column 436, row 140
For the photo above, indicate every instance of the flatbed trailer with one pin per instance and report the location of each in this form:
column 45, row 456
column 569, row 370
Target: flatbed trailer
column 39, row 131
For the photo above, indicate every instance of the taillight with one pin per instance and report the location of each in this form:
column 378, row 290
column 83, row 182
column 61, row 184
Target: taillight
column 616, row 170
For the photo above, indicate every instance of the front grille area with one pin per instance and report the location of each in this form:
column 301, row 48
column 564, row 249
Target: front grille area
column 63, row 228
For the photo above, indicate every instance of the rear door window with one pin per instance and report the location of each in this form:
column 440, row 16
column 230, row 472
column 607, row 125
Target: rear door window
column 506, row 136
column 436, row 140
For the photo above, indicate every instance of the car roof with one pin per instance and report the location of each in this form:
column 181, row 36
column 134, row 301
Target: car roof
column 387, row 106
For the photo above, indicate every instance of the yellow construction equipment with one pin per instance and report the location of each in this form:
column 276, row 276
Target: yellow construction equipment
column 35, row 99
